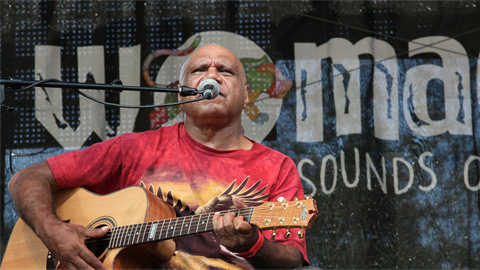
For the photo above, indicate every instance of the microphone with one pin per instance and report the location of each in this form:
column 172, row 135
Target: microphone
column 209, row 88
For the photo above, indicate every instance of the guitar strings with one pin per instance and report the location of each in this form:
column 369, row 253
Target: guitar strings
column 126, row 231
column 122, row 231
column 193, row 220
column 134, row 233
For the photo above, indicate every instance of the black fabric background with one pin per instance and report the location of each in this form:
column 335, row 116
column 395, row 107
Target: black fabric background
column 356, row 227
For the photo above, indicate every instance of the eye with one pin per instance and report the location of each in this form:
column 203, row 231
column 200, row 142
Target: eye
column 198, row 70
column 227, row 71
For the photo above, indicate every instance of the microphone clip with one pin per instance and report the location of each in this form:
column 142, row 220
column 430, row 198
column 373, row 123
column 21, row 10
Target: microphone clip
column 187, row 91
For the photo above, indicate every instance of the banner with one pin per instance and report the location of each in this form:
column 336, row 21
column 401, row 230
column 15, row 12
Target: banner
column 376, row 102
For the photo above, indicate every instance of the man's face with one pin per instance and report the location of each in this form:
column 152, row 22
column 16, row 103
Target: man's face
column 218, row 63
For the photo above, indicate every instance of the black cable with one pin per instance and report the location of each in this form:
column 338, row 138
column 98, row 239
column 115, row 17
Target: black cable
column 137, row 107
column 32, row 85
column 103, row 102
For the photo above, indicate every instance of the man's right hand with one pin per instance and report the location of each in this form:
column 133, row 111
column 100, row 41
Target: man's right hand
column 66, row 243
column 32, row 192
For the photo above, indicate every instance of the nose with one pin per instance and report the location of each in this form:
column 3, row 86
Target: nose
column 213, row 73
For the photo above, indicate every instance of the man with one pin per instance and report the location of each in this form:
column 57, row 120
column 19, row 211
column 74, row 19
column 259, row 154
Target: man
column 193, row 165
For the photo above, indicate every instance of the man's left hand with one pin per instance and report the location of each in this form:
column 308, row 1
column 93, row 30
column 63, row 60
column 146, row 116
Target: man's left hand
column 234, row 232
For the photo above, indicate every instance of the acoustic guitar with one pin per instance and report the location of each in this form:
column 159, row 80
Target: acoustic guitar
column 137, row 216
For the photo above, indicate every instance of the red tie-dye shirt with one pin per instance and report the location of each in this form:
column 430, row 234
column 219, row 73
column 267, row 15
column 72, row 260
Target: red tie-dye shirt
column 192, row 177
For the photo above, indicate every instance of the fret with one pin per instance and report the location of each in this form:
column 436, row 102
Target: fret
column 168, row 227
column 125, row 234
column 181, row 228
column 135, row 233
column 198, row 223
column 153, row 230
column 190, row 225
column 122, row 236
column 174, row 228
column 250, row 214
column 119, row 238
column 130, row 233
column 112, row 239
column 208, row 219
column 161, row 231
column 138, row 232
column 144, row 231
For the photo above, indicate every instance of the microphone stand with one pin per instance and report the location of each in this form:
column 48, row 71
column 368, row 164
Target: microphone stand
column 116, row 86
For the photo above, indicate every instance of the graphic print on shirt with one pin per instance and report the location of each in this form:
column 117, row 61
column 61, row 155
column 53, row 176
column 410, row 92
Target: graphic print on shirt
column 203, row 250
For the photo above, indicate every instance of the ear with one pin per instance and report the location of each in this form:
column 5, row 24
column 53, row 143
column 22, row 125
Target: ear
column 246, row 93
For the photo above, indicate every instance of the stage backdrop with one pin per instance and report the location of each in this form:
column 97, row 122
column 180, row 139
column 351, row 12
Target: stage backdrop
column 375, row 101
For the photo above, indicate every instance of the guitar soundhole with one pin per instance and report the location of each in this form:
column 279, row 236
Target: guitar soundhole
column 98, row 246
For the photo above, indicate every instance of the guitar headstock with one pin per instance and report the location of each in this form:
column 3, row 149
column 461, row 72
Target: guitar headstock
column 293, row 214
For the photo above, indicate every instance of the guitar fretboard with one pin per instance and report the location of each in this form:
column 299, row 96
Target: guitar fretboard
column 167, row 228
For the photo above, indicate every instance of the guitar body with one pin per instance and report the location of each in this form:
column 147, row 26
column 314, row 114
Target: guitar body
column 78, row 206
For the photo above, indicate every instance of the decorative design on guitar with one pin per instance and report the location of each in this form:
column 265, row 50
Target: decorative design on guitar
column 223, row 201
column 253, row 195
column 180, row 209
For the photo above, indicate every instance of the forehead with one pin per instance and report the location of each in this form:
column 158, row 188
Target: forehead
column 215, row 55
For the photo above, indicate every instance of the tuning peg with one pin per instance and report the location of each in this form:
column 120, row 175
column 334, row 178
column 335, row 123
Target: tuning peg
column 274, row 233
column 296, row 198
column 301, row 233
column 287, row 234
column 307, row 197
column 299, row 204
column 281, row 199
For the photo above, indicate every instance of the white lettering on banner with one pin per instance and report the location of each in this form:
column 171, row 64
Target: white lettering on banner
column 305, row 179
column 382, row 181
column 346, row 88
column 92, row 114
column 395, row 175
column 357, row 169
column 385, row 87
column 466, row 170
column 407, row 175
column 454, row 74
column 130, row 74
column 322, row 174
column 421, row 162
column 308, row 73
column 48, row 103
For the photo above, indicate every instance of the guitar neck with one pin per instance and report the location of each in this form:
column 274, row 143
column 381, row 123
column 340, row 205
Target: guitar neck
column 270, row 215
column 168, row 228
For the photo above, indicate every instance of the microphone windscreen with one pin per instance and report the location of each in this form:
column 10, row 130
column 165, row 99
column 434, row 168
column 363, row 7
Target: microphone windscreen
column 209, row 88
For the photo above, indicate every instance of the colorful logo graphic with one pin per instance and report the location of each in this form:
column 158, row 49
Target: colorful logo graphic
column 267, row 84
